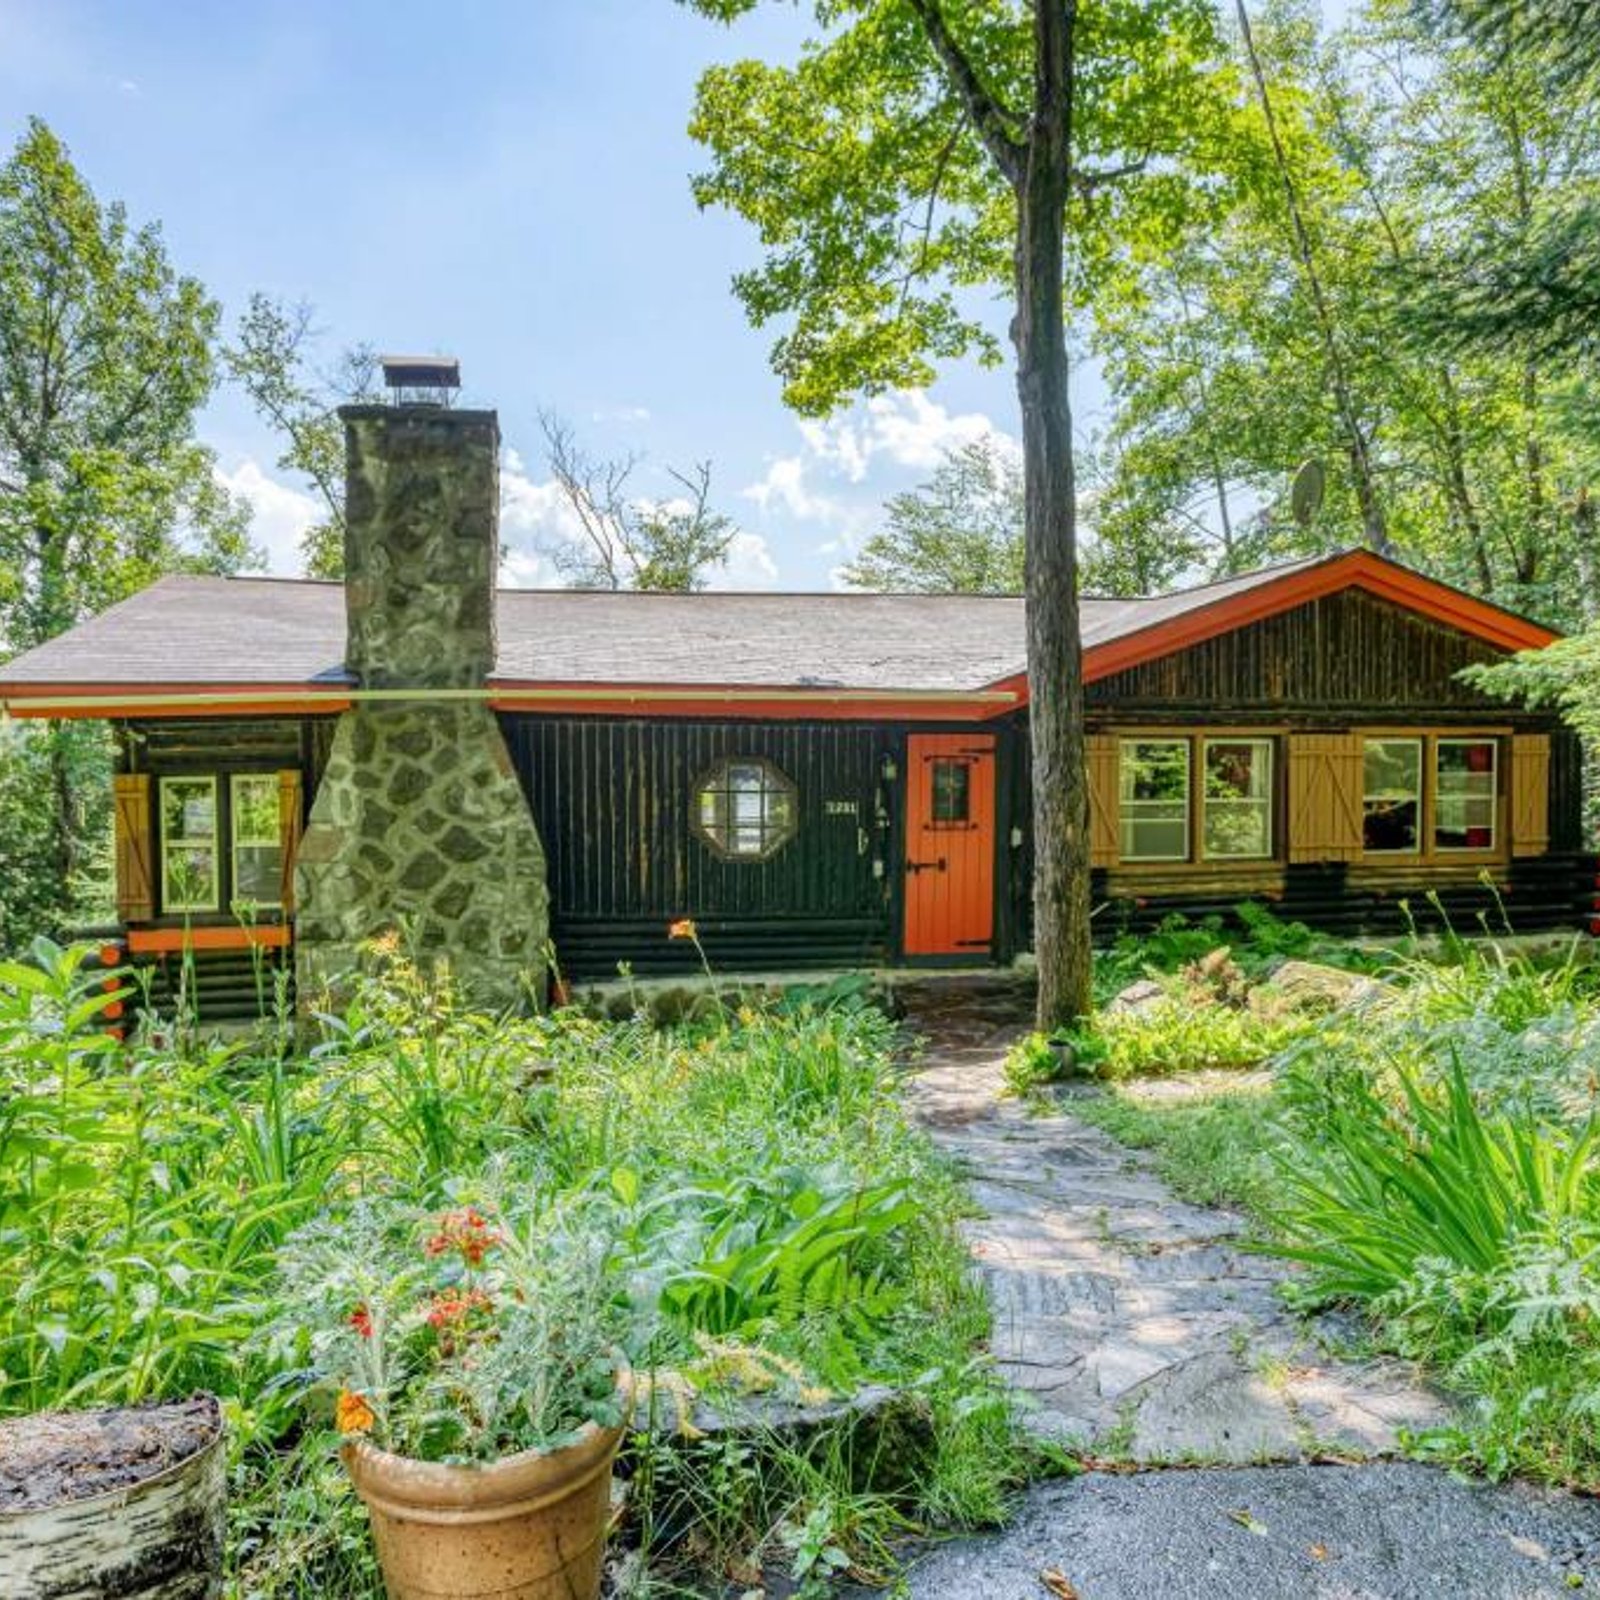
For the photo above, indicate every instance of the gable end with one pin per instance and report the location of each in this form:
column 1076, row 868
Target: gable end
column 1348, row 651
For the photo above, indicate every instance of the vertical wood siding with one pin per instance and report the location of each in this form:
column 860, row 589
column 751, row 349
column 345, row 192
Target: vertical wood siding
column 1343, row 651
column 614, row 802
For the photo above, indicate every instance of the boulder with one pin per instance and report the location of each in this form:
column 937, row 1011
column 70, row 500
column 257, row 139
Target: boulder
column 1312, row 987
column 1145, row 995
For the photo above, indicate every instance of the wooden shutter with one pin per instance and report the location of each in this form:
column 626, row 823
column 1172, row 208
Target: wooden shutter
column 1530, row 794
column 135, row 848
column 1103, row 752
column 291, row 816
column 1325, row 784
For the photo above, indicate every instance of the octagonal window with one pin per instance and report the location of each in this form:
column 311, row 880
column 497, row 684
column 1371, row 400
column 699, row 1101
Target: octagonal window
column 745, row 808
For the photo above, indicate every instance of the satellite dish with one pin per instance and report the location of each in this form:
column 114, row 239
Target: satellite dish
column 1305, row 493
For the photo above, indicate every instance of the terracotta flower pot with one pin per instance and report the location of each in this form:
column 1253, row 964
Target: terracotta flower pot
column 529, row 1527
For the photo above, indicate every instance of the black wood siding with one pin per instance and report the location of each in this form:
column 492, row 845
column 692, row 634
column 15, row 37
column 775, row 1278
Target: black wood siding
column 1345, row 653
column 614, row 799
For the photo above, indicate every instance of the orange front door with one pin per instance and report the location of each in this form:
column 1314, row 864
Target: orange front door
column 949, row 863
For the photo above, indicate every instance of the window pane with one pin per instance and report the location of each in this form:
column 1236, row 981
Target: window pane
column 255, row 808
column 1238, row 798
column 1392, row 798
column 746, row 809
column 1155, row 799
column 188, row 808
column 258, row 874
column 1155, row 769
column 1465, row 794
column 952, row 791
column 190, row 878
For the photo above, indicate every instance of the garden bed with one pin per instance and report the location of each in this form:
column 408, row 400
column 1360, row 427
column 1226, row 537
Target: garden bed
column 788, row 1241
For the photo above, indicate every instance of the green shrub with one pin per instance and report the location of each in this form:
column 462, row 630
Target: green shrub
column 1384, row 1181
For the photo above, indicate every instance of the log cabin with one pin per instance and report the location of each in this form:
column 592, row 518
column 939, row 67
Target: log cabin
column 818, row 780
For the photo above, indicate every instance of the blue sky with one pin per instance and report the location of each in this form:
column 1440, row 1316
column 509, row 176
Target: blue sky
column 505, row 180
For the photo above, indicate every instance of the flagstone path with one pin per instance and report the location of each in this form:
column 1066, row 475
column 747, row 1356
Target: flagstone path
column 1147, row 1337
column 1135, row 1322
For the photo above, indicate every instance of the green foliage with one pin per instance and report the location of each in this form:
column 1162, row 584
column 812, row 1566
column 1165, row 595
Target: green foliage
column 1215, row 1149
column 1419, row 1172
column 959, row 533
column 1259, row 940
column 879, row 206
column 177, row 1215
column 103, row 487
column 1564, row 675
column 463, row 1336
column 1418, row 160
column 272, row 358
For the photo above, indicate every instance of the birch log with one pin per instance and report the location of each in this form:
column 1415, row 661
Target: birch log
column 157, row 1535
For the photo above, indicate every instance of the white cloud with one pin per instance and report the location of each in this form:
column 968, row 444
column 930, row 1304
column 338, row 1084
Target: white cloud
column 784, row 485
column 749, row 565
column 536, row 519
column 279, row 515
column 623, row 414
column 905, row 427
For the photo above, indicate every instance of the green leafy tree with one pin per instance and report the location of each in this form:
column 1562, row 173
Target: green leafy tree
column 923, row 149
column 628, row 541
column 105, row 358
column 1535, row 285
column 273, row 358
column 961, row 532
column 1400, row 149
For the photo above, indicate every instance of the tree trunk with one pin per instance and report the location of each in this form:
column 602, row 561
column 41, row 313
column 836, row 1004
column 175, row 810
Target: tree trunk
column 1055, row 647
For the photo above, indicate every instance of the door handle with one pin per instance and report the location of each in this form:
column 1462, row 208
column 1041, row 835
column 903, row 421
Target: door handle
column 914, row 867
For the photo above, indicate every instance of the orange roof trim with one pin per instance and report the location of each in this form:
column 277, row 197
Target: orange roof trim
column 1354, row 569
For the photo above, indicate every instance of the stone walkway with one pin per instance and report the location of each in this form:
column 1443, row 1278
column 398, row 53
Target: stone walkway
column 1145, row 1334
column 1135, row 1322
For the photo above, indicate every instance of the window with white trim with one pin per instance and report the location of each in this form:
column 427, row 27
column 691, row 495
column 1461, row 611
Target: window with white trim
column 189, row 865
column 1154, row 783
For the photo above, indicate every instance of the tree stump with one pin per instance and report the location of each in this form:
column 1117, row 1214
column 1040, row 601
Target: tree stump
column 121, row 1504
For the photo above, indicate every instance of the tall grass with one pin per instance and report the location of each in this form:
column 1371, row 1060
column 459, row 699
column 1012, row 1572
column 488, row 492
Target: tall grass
column 797, row 1234
column 1420, row 1173
column 1442, row 1171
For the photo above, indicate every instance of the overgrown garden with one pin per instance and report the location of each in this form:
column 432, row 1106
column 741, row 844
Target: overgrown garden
column 1422, row 1142
column 737, row 1204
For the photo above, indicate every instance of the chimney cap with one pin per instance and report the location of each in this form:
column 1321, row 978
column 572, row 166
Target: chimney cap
column 421, row 379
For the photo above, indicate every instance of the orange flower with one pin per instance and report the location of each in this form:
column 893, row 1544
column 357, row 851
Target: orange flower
column 352, row 1414
column 451, row 1307
column 683, row 928
column 466, row 1232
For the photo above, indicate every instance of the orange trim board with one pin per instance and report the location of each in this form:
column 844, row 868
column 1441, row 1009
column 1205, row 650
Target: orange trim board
column 1359, row 569
column 1355, row 569
column 168, row 941
column 587, row 700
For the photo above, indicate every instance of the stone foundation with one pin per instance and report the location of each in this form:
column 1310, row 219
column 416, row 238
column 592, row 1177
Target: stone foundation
column 420, row 828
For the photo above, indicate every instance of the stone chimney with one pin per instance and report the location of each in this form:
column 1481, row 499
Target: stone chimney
column 419, row 826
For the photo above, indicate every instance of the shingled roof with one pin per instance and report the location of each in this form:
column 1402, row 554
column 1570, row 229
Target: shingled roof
column 191, row 633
